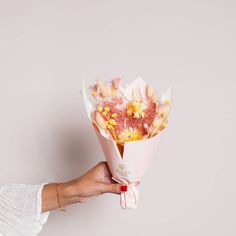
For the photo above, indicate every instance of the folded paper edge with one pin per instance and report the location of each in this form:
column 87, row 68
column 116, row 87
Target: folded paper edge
column 138, row 83
column 111, row 142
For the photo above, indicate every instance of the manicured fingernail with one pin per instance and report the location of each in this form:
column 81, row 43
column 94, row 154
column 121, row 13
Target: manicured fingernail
column 123, row 188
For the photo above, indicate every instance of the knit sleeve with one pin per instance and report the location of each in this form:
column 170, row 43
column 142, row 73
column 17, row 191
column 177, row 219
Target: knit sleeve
column 20, row 210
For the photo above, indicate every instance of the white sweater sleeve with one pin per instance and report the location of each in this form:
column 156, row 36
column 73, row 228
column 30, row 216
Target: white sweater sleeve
column 20, row 210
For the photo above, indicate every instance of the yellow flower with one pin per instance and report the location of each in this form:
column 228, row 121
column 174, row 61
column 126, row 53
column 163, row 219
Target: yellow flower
column 164, row 114
column 129, row 135
column 95, row 94
column 164, row 124
column 104, row 113
column 114, row 115
column 107, row 109
column 167, row 102
column 112, row 122
column 136, row 109
column 109, row 126
column 100, row 108
column 154, row 124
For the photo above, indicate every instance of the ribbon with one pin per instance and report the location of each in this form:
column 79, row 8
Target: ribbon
column 129, row 199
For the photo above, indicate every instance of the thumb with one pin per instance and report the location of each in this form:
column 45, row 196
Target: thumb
column 113, row 188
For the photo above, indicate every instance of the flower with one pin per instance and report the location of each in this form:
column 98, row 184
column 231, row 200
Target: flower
column 100, row 108
column 113, row 115
column 129, row 134
column 107, row 109
column 94, row 88
column 149, row 91
column 116, row 82
column 131, row 113
column 136, row 109
column 100, row 120
column 104, row 89
column 112, row 122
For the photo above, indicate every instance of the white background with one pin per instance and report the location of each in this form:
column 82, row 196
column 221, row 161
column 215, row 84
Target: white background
column 46, row 46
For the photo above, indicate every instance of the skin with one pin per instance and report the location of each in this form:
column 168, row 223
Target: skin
column 88, row 186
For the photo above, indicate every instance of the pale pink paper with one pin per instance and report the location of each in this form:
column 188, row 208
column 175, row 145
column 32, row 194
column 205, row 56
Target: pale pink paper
column 137, row 158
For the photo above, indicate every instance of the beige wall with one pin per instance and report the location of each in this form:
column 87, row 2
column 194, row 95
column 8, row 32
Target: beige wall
column 45, row 47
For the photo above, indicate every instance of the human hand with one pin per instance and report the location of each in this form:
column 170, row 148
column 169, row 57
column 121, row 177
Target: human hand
column 93, row 183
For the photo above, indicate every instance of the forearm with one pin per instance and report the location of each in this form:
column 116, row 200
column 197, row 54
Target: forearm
column 55, row 196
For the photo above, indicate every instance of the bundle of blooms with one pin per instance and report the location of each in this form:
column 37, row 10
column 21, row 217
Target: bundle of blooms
column 128, row 122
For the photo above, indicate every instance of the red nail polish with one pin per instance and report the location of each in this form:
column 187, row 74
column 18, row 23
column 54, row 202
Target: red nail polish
column 123, row 188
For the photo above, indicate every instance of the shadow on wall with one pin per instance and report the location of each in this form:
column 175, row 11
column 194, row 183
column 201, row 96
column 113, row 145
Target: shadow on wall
column 73, row 149
column 71, row 141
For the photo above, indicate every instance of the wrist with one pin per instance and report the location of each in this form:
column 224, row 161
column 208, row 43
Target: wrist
column 67, row 193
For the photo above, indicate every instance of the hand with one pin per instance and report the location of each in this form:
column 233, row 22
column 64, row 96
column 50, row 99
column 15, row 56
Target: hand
column 90, row 185
column 93, row 183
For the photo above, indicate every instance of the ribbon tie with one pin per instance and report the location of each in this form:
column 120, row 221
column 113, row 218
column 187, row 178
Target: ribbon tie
column 129, row 199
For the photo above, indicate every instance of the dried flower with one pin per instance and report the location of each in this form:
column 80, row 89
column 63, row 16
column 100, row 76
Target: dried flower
column 116, row 82
column 94, row 89
column 149, row 91
column 129, row 134
column 104, row 89
column 107, row 109
column 130, row 116
column 136, row 109
column 112, row 122
column 100, row 120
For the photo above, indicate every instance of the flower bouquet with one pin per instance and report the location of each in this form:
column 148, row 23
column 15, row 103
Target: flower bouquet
column 128, row 123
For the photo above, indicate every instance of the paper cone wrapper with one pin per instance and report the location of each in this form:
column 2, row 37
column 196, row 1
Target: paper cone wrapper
column 129, row 167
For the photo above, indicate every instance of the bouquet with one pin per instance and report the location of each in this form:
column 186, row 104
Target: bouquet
column 128, row 122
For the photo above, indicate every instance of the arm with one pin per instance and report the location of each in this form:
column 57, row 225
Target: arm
column 90, row 185
column 24, row 209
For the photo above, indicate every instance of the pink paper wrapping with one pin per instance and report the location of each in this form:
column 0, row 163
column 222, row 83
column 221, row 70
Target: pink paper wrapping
column 136, row 160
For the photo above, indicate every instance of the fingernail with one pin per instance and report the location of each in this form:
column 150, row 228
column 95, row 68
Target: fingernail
column 123, row 188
